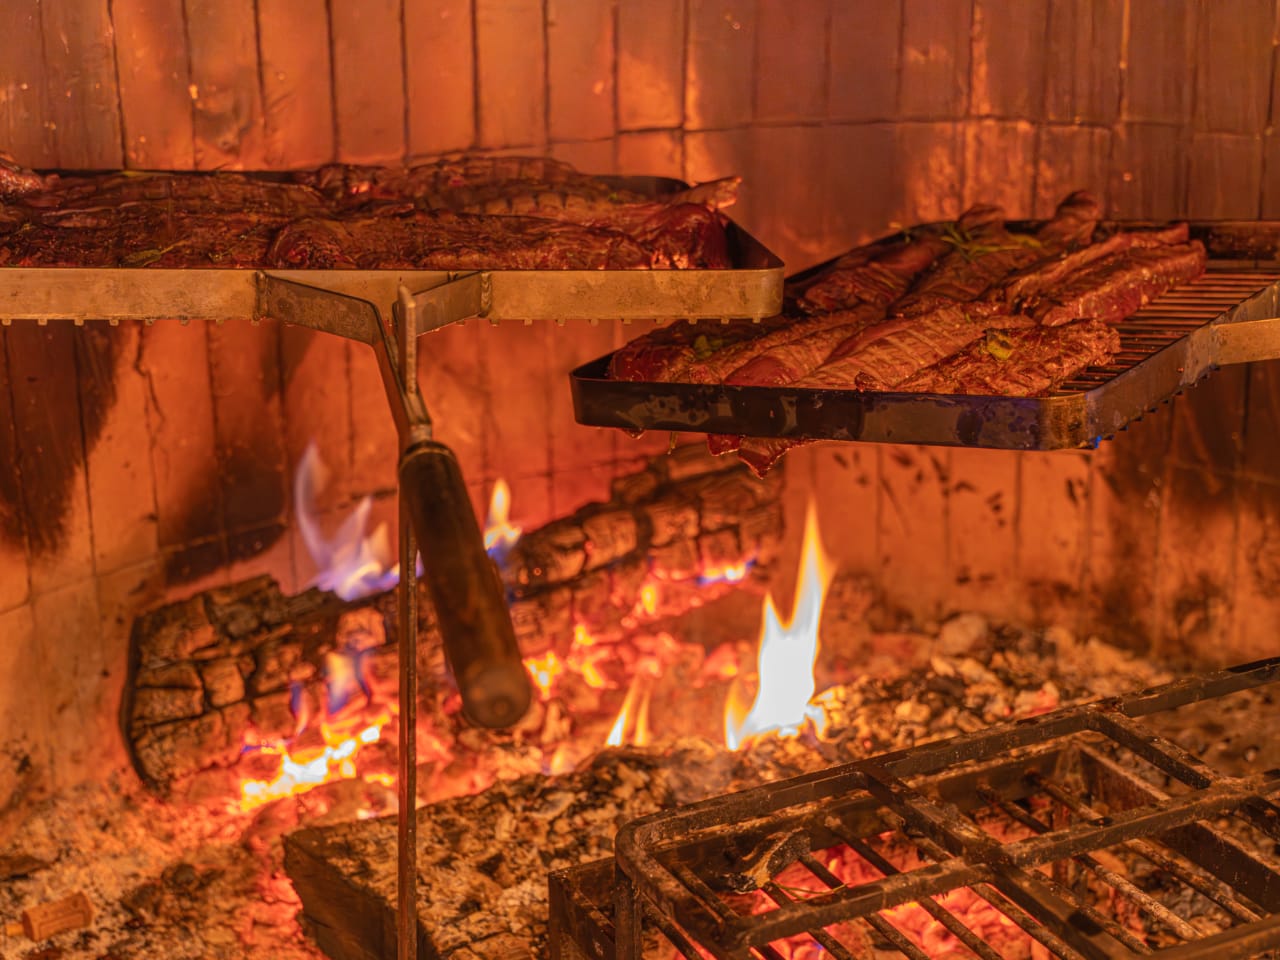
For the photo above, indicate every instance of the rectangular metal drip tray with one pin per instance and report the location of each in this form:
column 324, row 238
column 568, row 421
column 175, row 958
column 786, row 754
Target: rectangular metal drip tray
column 1229, row 315
column 1074, row 834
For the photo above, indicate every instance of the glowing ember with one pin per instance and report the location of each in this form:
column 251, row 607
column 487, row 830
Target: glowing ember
column 729, row 574
column 649, row 599
column 543, row 671
column 585, row 657
column 353, row 564
column 788, row 652
column 299, row 772
column 499, row 535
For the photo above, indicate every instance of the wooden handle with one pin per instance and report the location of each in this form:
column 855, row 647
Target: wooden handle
column 469, row 600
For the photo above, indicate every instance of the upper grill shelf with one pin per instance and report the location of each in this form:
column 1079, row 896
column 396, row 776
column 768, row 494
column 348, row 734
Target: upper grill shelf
column 1229, row 315
column 750, row 289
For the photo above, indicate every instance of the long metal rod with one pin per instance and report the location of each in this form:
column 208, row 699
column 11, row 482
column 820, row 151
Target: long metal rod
column 1206, row 885
column 407, row 779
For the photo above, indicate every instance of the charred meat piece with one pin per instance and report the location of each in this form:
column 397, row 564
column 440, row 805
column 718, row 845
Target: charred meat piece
column 782, row 355
column 16, row 180
column 985, row 252
column 1111, row 289
column 1020, row 362
column 1027, row 285
column 668, row 353
column 452, row 241
column 882, row 356
column 806, row 350
column 321, row 219
column 875, row 274
column 507, row 186
column 145, row 236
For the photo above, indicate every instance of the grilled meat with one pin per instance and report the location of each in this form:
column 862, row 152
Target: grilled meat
column 360, row 217
column 1020, row 362
column 17, row 181
column 882, row 356
column 985, row 252
column 874, row 274
column 1113, row 288
column 448, row 241
column 1025, row 286
column 992, row 312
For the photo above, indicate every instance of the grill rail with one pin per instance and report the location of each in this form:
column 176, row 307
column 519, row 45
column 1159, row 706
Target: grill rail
column 1072, row 830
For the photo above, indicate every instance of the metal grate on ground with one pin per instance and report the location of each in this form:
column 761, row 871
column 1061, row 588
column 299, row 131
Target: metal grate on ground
column 1077, row 834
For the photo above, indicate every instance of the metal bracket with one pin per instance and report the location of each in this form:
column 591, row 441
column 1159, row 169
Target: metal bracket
column 393, row 334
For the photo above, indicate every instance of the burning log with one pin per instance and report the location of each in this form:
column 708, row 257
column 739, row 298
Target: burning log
column 220, row 681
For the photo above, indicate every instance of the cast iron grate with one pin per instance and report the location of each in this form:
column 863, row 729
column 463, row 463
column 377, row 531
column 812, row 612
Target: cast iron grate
column 1076, row 834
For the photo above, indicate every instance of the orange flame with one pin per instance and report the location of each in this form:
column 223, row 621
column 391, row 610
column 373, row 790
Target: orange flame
column 634, row 713
column 544, row 671
column 649, row 599
column 584, row 656
column 788, row 653
column 335, row 761
column 499, row 535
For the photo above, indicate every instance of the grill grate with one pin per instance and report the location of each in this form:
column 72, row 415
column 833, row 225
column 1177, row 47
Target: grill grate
column 1229, row 315
column 1078, row 834
column 1167, row 320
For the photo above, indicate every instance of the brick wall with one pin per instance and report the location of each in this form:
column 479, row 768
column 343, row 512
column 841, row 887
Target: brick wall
column 844, row 119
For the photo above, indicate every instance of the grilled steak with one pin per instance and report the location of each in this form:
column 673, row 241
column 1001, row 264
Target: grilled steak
column 452, row 241
column 1113, row 288
column 359, row 217
column 1020, row 362
column 785, row 353
column 874, row 274
column 986, row 252
column 16, row 181
column 1027, row 285
column 882, row 356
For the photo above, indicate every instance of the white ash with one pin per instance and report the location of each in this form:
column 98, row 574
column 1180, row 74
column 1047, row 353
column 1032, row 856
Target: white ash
column 182, row 881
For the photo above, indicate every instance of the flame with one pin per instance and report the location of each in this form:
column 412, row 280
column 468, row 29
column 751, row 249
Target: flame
column 499, row 535
column 300, row 773
column 731, row 573
column 584, row 657
column 353, row 564
column 788, row 652
column 634, row 713
column 543, row 671
column 649, row 599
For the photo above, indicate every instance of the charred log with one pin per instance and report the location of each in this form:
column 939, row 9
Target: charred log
column 246, row 664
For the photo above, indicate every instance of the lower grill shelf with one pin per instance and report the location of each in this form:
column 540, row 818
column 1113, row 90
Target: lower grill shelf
column 1067, row 835
column 1229, row 315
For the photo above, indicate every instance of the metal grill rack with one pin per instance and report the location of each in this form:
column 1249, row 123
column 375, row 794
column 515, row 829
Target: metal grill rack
column 1071, row 833
column 389, row 310
column 1229, row 315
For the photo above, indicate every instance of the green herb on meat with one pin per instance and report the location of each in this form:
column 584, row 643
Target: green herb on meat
column 999, row 344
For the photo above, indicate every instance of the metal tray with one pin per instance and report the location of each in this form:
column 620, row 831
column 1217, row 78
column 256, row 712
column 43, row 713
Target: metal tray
column 1227, row 316
column 751, row 289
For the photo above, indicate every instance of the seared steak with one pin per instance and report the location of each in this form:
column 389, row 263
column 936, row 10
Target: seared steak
column 1020, row 362
column 360, row 217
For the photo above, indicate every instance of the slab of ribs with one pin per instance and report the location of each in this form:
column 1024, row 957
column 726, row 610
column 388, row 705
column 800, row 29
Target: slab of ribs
column 965, row 307
column 462, row 214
